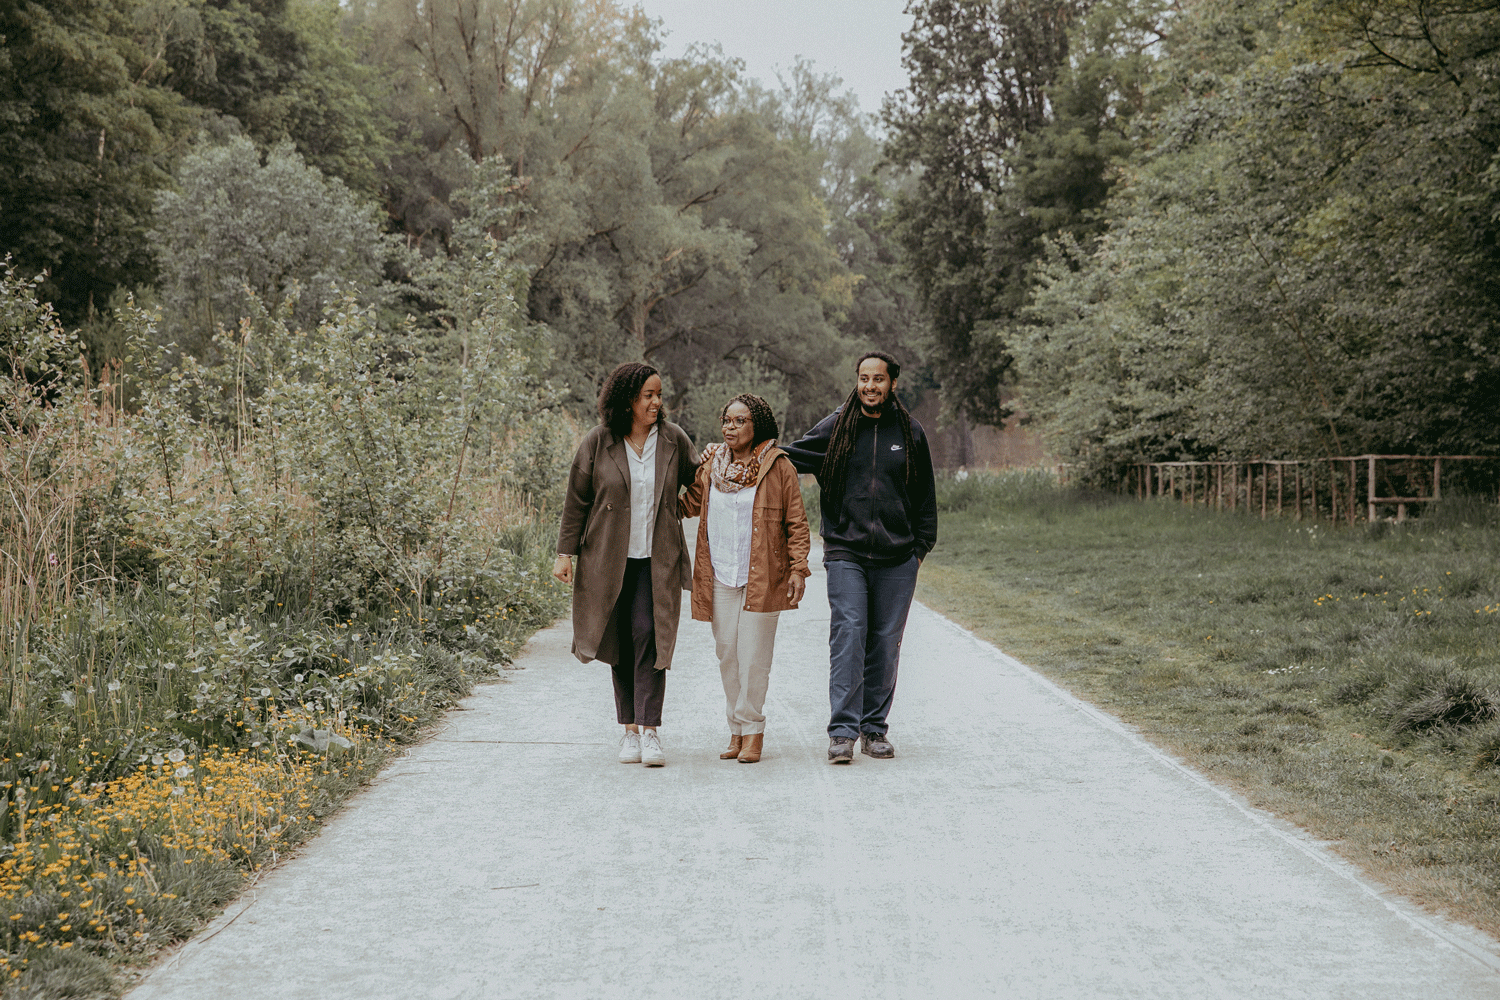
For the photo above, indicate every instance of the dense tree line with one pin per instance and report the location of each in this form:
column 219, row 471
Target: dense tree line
column 1210, row 228
column 219, row 157
column 1177, row 228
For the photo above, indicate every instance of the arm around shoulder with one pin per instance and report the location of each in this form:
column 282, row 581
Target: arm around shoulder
column 688, row 458
column 690, row 504
column 806, row 453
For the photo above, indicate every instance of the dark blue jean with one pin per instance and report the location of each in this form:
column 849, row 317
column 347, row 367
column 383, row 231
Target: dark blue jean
column 869, row 605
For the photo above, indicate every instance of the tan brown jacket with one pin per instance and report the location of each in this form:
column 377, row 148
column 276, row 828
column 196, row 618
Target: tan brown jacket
column 779, row 545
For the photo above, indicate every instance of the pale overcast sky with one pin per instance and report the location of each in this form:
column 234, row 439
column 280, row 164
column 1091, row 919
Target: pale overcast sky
column 860, row 40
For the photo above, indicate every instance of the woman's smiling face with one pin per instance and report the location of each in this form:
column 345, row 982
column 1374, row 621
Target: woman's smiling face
column 739, row 428
column 648, row 404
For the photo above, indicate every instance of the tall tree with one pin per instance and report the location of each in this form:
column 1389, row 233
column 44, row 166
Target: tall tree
column 663, row 217
column 87, row 134
column 859, row 189
column 979, row 72
column 1304, row 262
column 284, row 71
column 99, row 99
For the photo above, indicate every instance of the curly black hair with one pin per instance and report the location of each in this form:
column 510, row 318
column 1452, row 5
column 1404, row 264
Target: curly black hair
column 761, row 417
column 618, row 394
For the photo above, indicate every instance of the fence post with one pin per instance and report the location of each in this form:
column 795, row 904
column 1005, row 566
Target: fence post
column 1437, row 478
column 1312, row 488
column 1370, row 496
column 1333, row 492
column 1352, row 490
column 1265, row 476
column 1280, row 473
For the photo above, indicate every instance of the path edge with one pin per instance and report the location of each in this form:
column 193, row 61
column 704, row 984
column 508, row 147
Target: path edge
column 1480, row 947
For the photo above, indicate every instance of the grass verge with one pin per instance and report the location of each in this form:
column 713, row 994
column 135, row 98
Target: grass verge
column 1347, row 680
column 171, row 760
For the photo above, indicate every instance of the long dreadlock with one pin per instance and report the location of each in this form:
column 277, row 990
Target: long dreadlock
column 834, row 473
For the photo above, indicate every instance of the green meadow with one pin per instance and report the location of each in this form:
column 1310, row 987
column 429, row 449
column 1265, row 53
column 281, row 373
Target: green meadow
column 1345, row 679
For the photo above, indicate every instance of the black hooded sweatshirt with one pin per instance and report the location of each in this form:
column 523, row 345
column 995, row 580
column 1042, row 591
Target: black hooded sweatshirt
column 884, row 520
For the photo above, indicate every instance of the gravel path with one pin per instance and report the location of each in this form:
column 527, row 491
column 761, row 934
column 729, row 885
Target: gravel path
column 1021, row 845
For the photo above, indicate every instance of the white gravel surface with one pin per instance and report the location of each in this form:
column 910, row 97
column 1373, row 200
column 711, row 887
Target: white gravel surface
column 1020, row 845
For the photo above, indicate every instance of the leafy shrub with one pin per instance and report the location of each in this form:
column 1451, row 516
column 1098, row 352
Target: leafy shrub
column 237, row 231
column 220, row 607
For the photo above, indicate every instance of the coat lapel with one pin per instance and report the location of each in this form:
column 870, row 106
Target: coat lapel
column 666, row 450
column 616, row 451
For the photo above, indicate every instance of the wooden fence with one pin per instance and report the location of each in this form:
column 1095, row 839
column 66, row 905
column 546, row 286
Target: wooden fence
column 1312, row 488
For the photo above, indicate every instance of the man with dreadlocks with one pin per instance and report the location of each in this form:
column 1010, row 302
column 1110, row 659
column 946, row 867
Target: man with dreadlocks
column 879, row 522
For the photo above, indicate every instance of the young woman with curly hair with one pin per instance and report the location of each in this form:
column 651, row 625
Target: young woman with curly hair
column 751, row 563
column 620, row 520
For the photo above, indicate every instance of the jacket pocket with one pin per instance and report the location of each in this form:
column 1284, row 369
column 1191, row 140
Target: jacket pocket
column 891, row 523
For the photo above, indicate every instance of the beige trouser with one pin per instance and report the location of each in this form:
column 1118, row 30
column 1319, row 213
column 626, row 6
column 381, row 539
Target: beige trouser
column 745, row 641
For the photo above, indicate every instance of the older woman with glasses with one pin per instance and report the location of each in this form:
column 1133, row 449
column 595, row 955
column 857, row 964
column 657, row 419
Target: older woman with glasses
column 751, row 559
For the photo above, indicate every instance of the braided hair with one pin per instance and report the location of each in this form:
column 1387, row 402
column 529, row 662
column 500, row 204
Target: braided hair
column 762, row 420
column 835, row 467
column 618, row 395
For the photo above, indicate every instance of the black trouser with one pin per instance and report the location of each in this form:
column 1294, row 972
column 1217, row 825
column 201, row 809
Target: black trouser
column 639, row 686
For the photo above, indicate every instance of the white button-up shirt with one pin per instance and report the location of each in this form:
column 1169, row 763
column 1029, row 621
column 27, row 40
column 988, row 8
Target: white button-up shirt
column 642, row 497
column 730, row 519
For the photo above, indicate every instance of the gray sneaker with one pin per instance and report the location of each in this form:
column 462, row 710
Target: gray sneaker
column 630, row 748
column 876, row 745
column 841, row 750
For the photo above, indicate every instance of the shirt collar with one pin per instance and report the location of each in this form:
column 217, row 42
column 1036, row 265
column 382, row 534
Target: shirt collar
column 645, row 448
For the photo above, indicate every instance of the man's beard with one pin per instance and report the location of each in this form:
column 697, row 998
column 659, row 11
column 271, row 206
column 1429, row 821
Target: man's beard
column 878, row 408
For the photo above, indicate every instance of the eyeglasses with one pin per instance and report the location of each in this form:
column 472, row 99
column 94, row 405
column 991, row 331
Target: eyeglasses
column 735, row 422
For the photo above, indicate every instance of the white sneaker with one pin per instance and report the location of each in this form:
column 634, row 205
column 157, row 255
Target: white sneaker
column 651, row 754
column 630, row 748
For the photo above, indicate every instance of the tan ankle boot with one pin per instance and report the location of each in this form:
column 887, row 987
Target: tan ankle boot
column 750, row 748
column 735, row 742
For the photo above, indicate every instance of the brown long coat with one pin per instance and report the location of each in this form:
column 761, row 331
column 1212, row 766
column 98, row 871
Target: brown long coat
column 596, row 528
column 779, row 544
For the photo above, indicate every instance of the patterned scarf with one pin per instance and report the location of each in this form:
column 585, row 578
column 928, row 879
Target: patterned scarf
column 730, row 476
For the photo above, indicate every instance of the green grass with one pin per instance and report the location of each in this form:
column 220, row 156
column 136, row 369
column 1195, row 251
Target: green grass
column 120, row 681
column 1346, row 679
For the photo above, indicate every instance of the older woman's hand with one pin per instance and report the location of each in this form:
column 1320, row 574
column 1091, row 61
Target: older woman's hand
column 796, row 588
column 562, row 568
